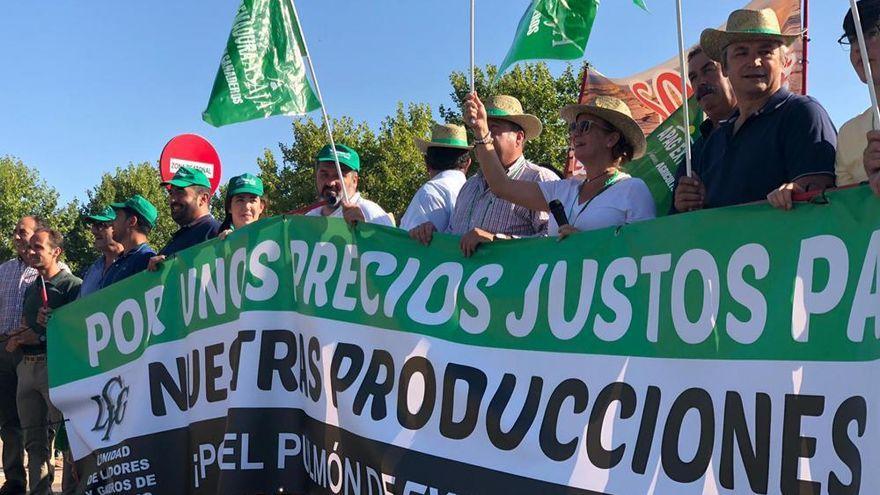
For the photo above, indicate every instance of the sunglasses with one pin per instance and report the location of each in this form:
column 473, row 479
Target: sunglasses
column 584, row 127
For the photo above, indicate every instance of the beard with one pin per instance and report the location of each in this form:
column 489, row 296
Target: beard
column 331, row 196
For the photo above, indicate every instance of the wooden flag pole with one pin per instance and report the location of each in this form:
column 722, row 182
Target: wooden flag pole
column 684, row 95
column 327, row 122
column 869, row 77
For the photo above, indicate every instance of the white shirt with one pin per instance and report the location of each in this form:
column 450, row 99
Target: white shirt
column 626, row 201
column 435, row 201
column 373, row 213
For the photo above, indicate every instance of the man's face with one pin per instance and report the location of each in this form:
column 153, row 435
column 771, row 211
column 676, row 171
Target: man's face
column 872, row 43
column 103, row 234
column 508, row 140
column 21, row 236
column 41, row 252
column 755, row 67
column 328, row 184
column 713, row 90
column 185, row 204
column 120, row 226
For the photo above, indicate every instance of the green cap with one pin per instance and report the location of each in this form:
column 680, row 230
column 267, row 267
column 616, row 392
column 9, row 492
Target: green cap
column 187, row 176
column 244, row 184
column 141, row 206
column 108, row 214
column 347, row 156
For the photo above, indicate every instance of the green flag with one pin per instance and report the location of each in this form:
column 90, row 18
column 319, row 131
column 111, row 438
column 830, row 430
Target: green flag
column 262, row 72
column 642, row 4
column 552, row 29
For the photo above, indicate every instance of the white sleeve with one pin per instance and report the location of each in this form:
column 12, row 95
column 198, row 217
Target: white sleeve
column 553, row 189
column 640, row 203
column 375, row 214
column 427, row 206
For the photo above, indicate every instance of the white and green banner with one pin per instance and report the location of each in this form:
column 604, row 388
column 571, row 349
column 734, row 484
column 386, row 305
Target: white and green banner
column 723, row 351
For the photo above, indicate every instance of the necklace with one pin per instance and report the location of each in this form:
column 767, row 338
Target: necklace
column 608, row 183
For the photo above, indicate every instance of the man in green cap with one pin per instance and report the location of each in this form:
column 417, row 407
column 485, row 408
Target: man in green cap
column 189, row 198
column 135, row 218
column 101, row 226
column 330, row 187
column 447, row 158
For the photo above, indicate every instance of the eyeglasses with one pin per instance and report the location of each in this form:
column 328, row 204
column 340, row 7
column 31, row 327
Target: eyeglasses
column 846, row 41
column 584, row 127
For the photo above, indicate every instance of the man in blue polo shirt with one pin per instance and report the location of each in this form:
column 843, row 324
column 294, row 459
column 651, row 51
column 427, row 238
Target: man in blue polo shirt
column 135, row 218
column 101, row 226
column 776, row 143
column 189, row 198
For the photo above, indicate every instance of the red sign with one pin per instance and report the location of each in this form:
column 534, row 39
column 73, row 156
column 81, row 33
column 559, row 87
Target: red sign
column 190, row 150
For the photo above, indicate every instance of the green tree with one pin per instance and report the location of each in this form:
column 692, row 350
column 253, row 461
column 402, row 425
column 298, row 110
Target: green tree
column 23, row 192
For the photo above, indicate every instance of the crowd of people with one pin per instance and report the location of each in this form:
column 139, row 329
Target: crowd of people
column 759, row 142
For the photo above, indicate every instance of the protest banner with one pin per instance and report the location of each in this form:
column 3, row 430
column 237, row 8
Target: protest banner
column 731, row 350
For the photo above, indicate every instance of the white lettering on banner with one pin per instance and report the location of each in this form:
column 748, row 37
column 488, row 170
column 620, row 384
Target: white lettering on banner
column 100, row 331
column 866, row 302
column 206, row 168
column 806, row 301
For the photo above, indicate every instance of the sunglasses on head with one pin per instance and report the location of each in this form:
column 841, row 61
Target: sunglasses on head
column 584, row 127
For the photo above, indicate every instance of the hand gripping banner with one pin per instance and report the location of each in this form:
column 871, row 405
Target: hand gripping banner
column 723, row 351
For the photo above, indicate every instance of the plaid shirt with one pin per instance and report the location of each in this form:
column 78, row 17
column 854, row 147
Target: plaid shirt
column 478, row 207
column 15, row 277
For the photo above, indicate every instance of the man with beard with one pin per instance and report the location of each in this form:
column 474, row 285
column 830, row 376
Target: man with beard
column 189, row 198
column 329, row 187
column 101, row 226
column 776, row 143
column 134, row 219
column 716, row 99
column 54, row 288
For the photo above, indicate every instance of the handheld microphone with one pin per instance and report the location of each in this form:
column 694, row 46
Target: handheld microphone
column 558, row 212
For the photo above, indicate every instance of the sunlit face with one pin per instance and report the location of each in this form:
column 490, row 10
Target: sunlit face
column 24, row 229
column 246, row 208
column 592, row 139
column 41, row 252
column 713, row 90
column 755, row 67
column 103, row 234
column 508, row 139
column 328, row 184
column 186, row 204
column 872, row 43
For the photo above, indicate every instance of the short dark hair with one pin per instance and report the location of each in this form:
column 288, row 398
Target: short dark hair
column 55, row 237
column 439, row 158
column 694, row 52
column 202, row 190
column 869, row 13
column 623, row 150
column 143, row 226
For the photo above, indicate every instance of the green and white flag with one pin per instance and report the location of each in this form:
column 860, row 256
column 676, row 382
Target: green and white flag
column 262, row 72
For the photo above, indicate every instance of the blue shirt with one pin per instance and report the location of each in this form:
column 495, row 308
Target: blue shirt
column 91, row 280
column 195, row 233
column 790, row 137
column 706, row 130
column 128, row 263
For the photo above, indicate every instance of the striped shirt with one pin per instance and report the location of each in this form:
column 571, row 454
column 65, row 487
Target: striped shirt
column 15, row 277
column 477, row 207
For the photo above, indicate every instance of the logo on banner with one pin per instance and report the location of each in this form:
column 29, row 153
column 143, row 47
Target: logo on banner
column 111, row 406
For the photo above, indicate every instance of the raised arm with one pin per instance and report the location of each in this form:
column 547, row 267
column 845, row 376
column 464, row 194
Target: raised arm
column 524, row 193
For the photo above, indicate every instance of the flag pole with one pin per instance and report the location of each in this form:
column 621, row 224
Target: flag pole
column 869, row 77
column 684, row 95
column 473, row 87
column 327, row 122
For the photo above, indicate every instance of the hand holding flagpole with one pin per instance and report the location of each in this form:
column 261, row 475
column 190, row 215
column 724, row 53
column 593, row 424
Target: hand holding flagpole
column 860, row 34
column 684, row 96
column 327, row 122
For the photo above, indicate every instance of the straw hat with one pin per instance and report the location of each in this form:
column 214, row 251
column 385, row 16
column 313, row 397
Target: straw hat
column 503, row 107
column 444, row 136
column 745, row 25
column 615, row 112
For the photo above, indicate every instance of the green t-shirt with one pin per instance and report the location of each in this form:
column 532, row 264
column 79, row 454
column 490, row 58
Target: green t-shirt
column 60, row 289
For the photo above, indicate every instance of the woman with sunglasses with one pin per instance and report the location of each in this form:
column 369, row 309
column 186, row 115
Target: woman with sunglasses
column 244, row 203
column 604, row 137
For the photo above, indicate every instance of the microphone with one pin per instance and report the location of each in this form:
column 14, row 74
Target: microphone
column 558, row 212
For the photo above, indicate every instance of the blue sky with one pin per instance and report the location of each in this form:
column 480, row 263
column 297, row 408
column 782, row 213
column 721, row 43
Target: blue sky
column 88, row 86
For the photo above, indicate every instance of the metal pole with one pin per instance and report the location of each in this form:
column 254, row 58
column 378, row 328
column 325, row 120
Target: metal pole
column 805, row 26
column 321, row 101
column 684, row 96
column 860, row 34
column 473, row 7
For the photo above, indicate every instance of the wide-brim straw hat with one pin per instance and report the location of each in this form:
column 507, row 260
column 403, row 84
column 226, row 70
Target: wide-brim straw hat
column 503, row 107
column 745, row 25
column 444, row 136
column 615, row 112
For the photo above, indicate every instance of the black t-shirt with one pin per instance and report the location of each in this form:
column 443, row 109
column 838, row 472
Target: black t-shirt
column 195, row 233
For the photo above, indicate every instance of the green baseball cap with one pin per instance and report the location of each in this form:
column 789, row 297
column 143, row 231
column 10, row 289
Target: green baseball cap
column 346, row 155
column 187, row 176
column 141, row 206
column 244, row 184
column 108, row 214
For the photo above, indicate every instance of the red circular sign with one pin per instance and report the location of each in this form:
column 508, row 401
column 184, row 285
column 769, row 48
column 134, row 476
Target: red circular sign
column 190, row 150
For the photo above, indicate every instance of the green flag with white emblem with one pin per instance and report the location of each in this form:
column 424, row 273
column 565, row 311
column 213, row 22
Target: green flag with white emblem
column 262, row 71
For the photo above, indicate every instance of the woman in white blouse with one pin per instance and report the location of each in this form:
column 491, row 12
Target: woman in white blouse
column 605, row 137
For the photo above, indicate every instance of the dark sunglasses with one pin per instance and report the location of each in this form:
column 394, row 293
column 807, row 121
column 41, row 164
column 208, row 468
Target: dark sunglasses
column 584, row 127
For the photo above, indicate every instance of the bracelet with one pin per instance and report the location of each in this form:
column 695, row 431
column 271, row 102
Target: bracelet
column 487, row 139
